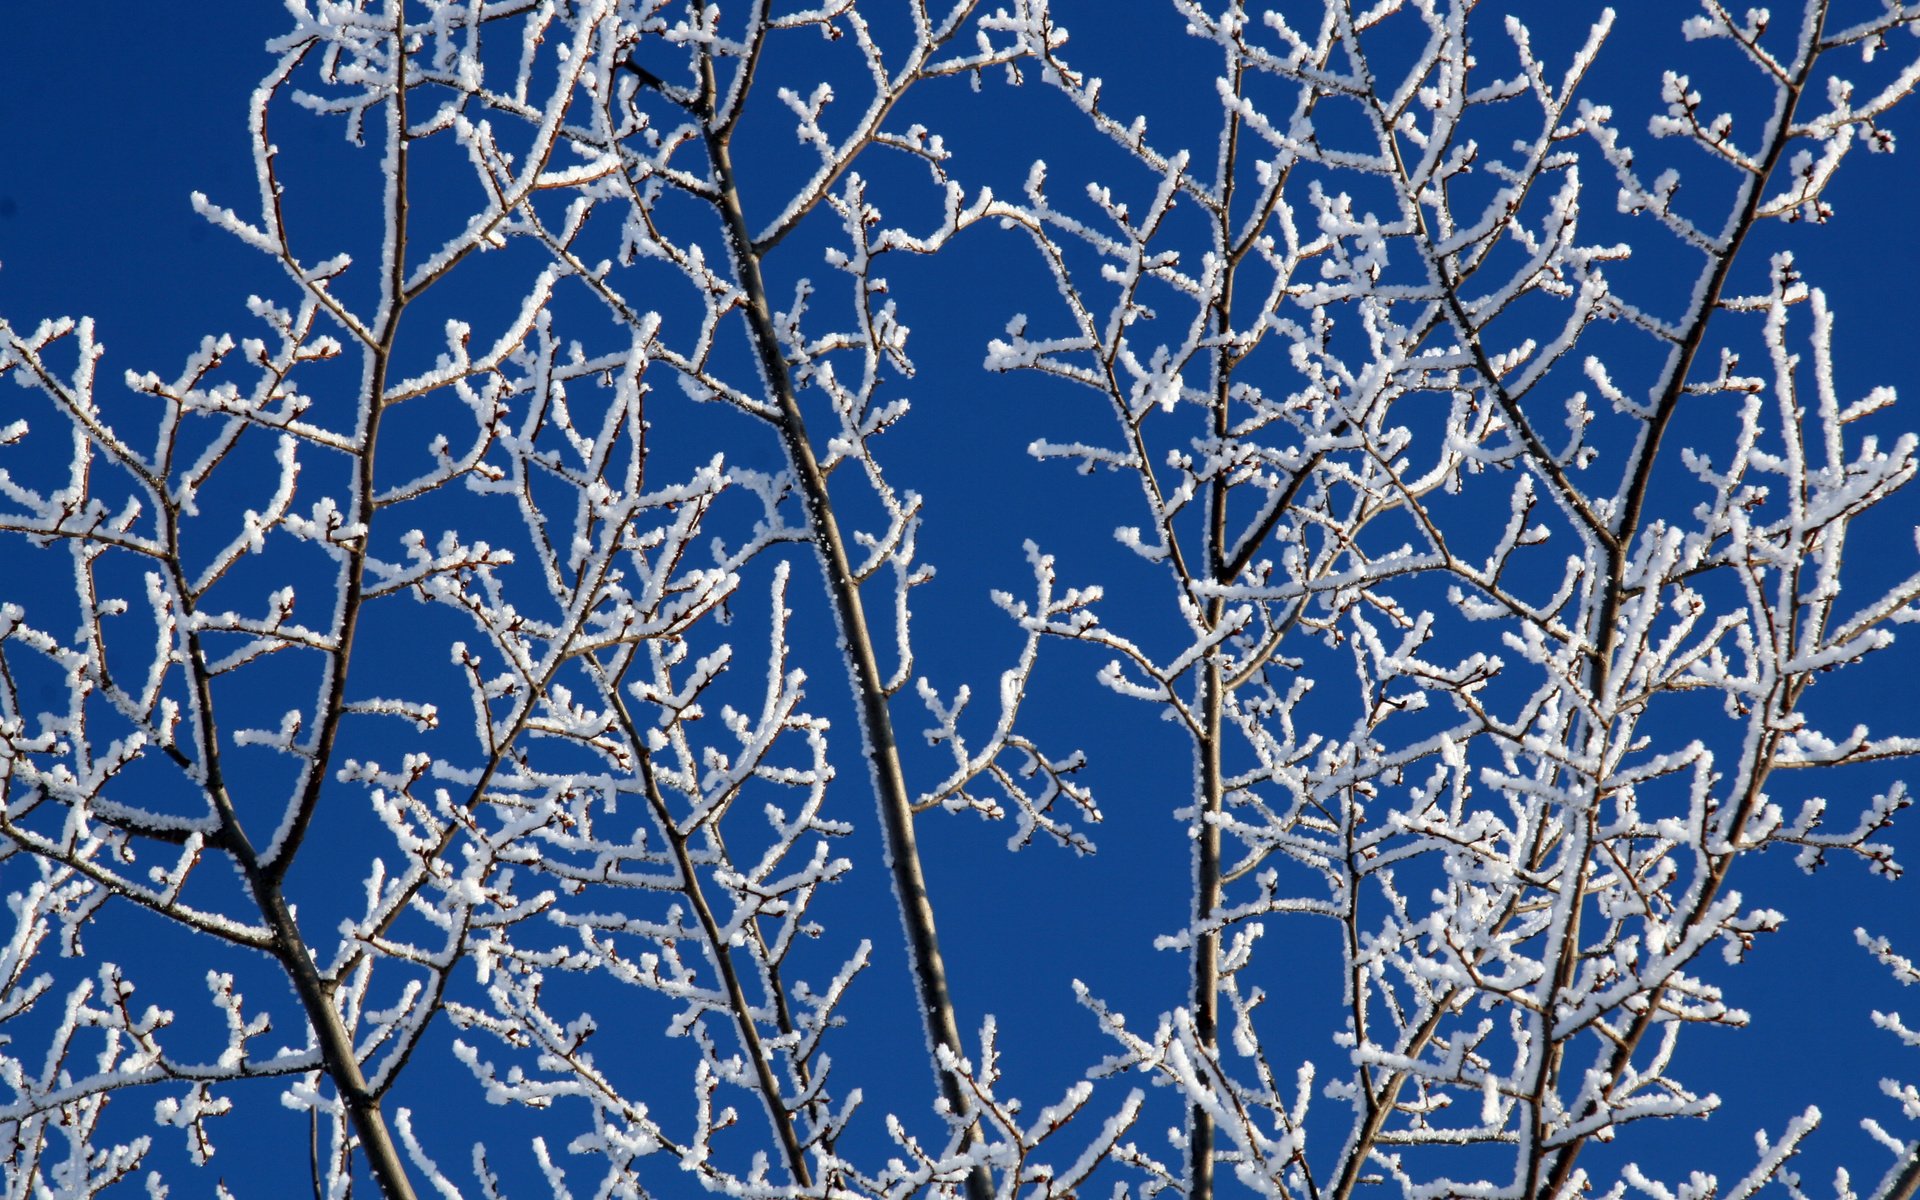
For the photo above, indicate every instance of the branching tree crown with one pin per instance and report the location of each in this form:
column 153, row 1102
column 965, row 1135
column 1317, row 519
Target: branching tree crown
column 434, row 650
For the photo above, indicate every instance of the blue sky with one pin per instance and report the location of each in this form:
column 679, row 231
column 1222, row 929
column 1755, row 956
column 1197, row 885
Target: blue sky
column 110, row 119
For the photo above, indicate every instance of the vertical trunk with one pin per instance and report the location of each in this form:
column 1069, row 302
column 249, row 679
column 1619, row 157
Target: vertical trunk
column 336, row 1044
column 876, row 721
column 290, row 949
column 1634, row 492
column 265, row 876
column 1206, row 898
column 1207, row 775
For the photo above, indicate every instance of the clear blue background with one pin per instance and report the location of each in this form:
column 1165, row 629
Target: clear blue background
column 110, row 114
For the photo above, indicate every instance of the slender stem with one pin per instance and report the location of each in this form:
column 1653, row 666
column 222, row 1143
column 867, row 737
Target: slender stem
column 876, row 721
column 755, row 1049
column 1904, row 1184
column 1208, row 779
column 313, row 1153
column 1745, row 216
column 1381, row 1104
column 1633, row 499
column 289, row 948
column 336, row 1044
column 1206, row 898
column 265, row 876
